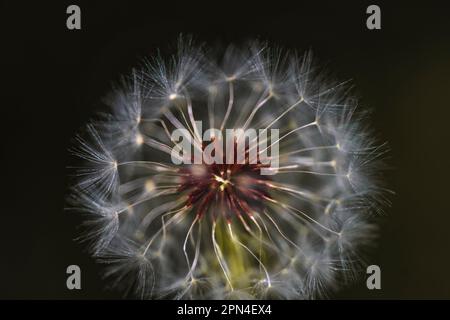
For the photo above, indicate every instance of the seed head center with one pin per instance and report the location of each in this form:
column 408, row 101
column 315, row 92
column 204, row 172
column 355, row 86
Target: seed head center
column 223, row 182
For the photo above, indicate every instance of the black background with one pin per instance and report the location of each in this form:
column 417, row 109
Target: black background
column 54, row 79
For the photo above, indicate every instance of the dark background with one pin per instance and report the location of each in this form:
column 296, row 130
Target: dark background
column 54, row 79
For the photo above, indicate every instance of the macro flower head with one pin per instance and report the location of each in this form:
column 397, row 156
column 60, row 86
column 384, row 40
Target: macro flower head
column 275, row 196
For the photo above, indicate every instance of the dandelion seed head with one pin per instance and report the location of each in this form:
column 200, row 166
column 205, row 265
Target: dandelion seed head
column 224, row 230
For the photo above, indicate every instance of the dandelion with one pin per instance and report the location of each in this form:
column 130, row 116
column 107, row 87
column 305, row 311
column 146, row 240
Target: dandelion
column 215, row 230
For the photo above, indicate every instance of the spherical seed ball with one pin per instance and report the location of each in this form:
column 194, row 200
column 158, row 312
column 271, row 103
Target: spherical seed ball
column 277, row 201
